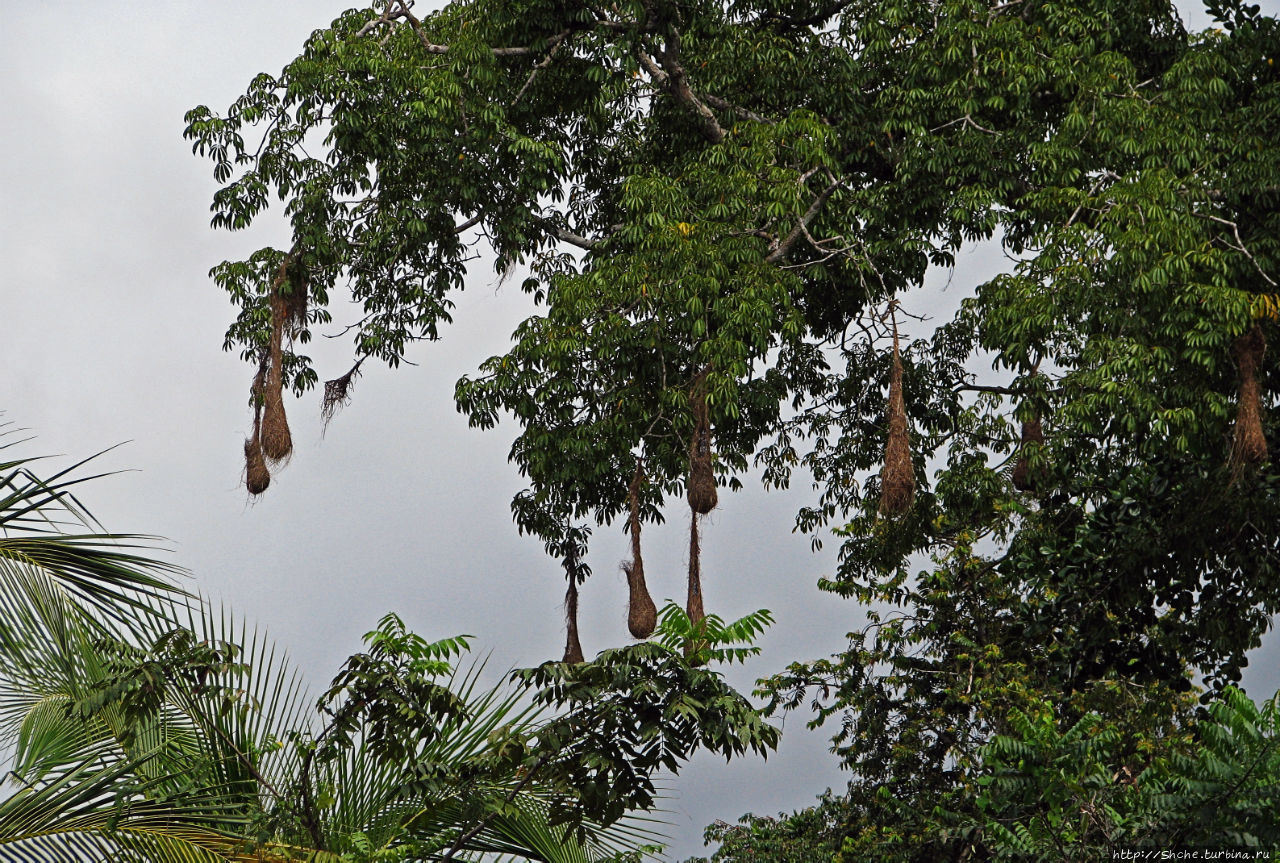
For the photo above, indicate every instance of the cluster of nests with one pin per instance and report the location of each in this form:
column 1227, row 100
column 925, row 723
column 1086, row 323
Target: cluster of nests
column 897, row 478
column 642, row 613
column 271, row 444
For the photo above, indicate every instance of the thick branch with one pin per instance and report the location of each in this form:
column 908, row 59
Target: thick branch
column 670, row 75
column 574, row 239
column 784, row 248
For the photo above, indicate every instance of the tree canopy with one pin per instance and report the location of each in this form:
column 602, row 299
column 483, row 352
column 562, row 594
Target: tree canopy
column 147, row 726
column 724, row 212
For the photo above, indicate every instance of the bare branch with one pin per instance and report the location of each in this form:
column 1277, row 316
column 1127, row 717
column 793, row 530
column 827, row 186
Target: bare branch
column 574, row 239
column 469, row 223
column 1239, row 245
column 536, row 69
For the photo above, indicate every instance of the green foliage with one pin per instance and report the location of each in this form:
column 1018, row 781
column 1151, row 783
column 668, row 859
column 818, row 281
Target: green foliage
column 173, row 733
column 627, row 714
column 812, row 835
column 738, row 194
column 710, row 639
column 1055, row 793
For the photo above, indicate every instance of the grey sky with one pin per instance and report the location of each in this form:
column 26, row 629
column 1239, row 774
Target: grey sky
column 113, row 333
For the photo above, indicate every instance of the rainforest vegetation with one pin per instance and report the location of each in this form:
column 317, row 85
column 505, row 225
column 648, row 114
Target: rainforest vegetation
column 1058, row 506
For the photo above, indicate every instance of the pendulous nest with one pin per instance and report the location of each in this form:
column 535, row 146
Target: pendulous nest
column 256, row 475
column 642, row 614
column 1249, row 444
column 1033, row 435
column 702, row 493
column 693, row 605
column 572, row 646
column 897, row 479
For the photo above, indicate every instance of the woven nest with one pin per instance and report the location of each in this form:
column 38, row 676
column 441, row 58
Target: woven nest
column 897, row 479
column 642, row 614
column 277, row 442
column 1249, row 444
column 256, row 475
column 572, row 646
column 702, row 493
column 693, row 605
column 1033, row 435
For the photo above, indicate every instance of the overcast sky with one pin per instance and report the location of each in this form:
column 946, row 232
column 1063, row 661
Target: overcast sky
column 112, row 333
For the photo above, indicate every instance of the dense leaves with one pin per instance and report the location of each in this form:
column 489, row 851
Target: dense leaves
column 166, row 731
column 730, row 198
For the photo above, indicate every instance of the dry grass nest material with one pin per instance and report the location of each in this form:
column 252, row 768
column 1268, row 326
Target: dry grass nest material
column 1032, row 434
column 702, row 493
column 572, row 646
column 897, row 479
column 1249, row 444
column 642, row 614
column 256, row 475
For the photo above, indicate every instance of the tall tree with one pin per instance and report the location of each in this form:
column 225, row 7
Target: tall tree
column 723, row 211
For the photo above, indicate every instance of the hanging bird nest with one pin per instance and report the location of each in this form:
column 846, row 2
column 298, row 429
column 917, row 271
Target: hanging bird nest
column 1032, row 436
column 572, row 646
column 277, row 442
column 897, row 479
column 701, row 492
column 1249, row 444
column 642, row 614
column 693, row 605
column 256, row 475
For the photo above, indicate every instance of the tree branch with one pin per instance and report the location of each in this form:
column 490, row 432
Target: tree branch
column 784, row 248
column 723, row 105
column 668, row 74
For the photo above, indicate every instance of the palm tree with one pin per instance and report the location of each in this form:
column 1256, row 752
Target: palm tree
column 145, row 725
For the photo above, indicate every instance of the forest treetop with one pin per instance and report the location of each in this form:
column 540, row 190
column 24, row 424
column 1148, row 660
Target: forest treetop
column 718, row 204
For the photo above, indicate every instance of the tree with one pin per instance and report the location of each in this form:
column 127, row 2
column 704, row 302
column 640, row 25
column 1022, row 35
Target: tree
column 147, row 726
column 724, row 210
